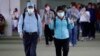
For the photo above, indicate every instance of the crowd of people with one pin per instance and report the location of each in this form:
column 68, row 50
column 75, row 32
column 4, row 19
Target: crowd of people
column 85, row 17
column 63, row 25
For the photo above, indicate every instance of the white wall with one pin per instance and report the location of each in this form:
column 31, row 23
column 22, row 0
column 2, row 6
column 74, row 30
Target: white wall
column 6, row 7
column 15, row 4
column 98, row 0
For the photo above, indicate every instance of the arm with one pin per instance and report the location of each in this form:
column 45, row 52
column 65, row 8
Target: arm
column 88, row 15
column 43, row 21
column 51, row 24
column 39, row 26
column 20, row 25
column 70, row 24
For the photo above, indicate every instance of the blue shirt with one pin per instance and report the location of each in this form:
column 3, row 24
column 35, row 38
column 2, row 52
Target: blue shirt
column 61, row 29
column 73, row 11
column 31, row 24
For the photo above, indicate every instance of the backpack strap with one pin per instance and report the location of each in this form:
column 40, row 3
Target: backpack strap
column 54, row 23
column 66, row 21
column 36, row 15
column 23, row 20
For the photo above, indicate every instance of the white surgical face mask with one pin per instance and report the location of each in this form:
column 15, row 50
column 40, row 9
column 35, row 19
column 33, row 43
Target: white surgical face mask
column 30, row 11
column 61, row 14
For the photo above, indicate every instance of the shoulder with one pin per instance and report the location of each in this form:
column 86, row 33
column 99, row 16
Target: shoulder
column 51, row 12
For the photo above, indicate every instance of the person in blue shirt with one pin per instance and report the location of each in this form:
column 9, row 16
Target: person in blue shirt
column 73, row 13
column 61, row 26
column 30, row 28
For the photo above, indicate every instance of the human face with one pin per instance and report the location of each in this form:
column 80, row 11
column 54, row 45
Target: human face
column 30, row 10
column 60, row 14
column 47, row 8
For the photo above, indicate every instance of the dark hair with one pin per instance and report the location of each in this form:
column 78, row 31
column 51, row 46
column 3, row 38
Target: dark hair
column 47, row 5
column 98, row 5
column 83, row 6
column 93, row 4
column 36, row 10
column 90, row 3
column 59, row 8
column 73, row 4
column 64, row 6
column 15, row 10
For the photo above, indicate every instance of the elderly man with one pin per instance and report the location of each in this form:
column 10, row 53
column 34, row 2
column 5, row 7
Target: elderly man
column 30, row 28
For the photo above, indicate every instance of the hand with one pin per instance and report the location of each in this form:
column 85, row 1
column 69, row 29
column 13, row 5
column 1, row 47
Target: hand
column 71, row 21
column 43, row 25
column 21, row 35
column 39, row 39
column 49, row 20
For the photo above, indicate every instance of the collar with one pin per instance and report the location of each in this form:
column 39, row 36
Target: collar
column 32, row 13
column 59, row 18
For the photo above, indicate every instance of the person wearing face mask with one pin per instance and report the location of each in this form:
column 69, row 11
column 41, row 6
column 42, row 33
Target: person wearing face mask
column 48, row 33
column 61, row 26
column 30, row 10
column 30, row 29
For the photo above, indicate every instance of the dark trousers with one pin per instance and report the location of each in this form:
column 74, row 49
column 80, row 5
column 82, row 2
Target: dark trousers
column 98, row 25
column 78, row 31
column 61, row 46
column 30, row 43
column 48, row 34
column 85, row 29
column 92, row 29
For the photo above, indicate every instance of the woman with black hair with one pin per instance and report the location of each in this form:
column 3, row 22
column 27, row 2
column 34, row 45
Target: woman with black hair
column 61, row 26
column 84, row 21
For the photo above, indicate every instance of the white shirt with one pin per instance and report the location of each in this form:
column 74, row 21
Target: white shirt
column 84, row 16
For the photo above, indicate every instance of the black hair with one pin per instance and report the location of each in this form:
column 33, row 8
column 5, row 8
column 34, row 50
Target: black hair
column 73, row 4
column 90, row 3
column 15, row 10
column 59, row 8
column 47, row 5
column 83, row 6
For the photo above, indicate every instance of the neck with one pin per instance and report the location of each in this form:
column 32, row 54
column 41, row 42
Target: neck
column 61, row 17
column 47, row 11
